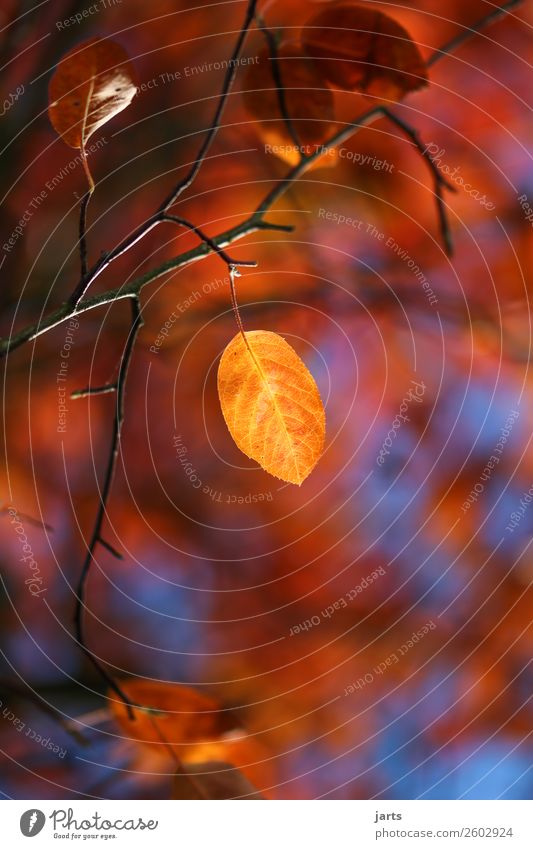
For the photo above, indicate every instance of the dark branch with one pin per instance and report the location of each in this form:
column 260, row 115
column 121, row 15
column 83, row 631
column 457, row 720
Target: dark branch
column 213, row 129
column 75, row 306
column 94, row 390
column 96, row 537
column 83, row 234
column 250, row 263
column 278, row 82
column 112, row 550
column 159, row 216
column 470, row 31
column 439, row 182
column 38, row 523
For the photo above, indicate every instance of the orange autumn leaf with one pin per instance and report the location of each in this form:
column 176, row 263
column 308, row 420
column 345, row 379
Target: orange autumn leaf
column 212, row 780
column 308, row 101
column 362, row 49
column 170, row 713
column 92, row 83
column 271, row 404
column 243, row 751
column 195, row 727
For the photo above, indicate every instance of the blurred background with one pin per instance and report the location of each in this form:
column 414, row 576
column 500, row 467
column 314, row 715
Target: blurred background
column 370, row 630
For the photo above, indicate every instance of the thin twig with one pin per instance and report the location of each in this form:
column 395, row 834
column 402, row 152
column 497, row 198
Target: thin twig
column 112, row 550
column 213, row 129
column 94, row 390
column 5, row 508
column 83, row 233
column 26, row 693
column 96, row 537
column 470, row 31
column 143, row 229
column 153, row 220
column 250, row 263
column 178, row 763
column 75, row 306
column 439, row 182
column 275, row 70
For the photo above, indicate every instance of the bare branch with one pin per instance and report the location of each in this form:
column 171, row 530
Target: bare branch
column 250, row 263
column 26, row 693
column 276, row 76
column 38, row 523
column 213, row 129
column 96, row 537
column 94, row 390
column 439, row 182
column 75, row 306
column 83, row 233
column 155, row 219
column 470, row 31
column 112, row 550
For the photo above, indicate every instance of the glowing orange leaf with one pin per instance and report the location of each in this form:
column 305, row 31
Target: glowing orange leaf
column 171, row 713
column 271, row 405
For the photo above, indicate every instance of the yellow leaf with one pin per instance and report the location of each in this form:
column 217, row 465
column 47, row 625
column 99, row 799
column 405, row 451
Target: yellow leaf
column 271, row 405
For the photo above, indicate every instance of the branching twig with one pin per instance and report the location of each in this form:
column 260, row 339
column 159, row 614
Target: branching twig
column 96, row 537
column 276, row 76
column 112, row 550
column 83, row 233
column 439, row 182
column 89, row 276
column 28, row 694
column 481, row 24
column 5, row 508
column 94, row 390
column 250, row 263
column 232, row 275
column 213, row 129
column 78, row 304
column 75, row 306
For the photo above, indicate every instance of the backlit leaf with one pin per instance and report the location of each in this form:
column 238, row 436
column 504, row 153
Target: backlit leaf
column 363, row 49
column 179, row 715
column 212, row 780
column 91, row 84
column 241, row 750
column 197, row 729
column 271, row 404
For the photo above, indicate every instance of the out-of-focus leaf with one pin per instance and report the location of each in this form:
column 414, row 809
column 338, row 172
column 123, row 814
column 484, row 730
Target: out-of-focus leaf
column 363, row 49
column 271, row 404
column 308, row 100
column 212, row 780
column 178, row 715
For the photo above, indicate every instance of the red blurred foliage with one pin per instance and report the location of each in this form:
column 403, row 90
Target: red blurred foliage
column 221, row 564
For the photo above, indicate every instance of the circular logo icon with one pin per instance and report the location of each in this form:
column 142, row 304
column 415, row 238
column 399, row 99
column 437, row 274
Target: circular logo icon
column 32, row 822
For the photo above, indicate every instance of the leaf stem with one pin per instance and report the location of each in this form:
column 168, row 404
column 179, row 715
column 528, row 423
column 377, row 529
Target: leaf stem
column 233, row 273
